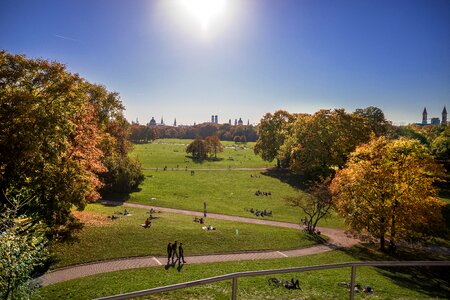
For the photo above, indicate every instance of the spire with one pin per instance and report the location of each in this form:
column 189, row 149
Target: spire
column 175, row 122
column 444, row 116
column 162, row 122
column 424, row 116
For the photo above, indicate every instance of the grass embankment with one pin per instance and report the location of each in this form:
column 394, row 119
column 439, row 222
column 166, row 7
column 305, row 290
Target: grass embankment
column 172, row 153
column 225, row 192
column 398, row 283
column 104, row 238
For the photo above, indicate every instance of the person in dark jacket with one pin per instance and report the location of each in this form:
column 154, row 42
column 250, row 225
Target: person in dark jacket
column 169, row 252
column 181, row 254
column 174, row 252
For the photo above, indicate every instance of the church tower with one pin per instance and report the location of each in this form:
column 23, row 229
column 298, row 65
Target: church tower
column 444, row 117
column 175, row 122
column 424, row 116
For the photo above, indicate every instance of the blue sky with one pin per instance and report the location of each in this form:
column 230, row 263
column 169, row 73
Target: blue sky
column 258, row 56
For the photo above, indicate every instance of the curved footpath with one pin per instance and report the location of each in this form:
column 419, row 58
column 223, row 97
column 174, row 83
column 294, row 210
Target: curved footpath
column 337, row 239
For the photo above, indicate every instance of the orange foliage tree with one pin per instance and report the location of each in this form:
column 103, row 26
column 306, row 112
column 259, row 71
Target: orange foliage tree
column 387, row 190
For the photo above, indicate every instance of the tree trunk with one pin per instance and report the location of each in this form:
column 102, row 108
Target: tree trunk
column 278, row 163
column 382, row 243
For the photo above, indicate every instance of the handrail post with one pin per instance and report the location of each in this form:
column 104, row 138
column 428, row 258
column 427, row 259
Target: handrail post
column 234, row 288
column 352, row 283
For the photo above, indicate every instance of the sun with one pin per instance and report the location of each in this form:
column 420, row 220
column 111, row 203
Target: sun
column 204, row 11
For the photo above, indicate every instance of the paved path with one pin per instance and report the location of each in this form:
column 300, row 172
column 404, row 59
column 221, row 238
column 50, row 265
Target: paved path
column 337, row 239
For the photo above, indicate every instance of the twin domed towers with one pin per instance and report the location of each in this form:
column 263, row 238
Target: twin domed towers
column 434, row 121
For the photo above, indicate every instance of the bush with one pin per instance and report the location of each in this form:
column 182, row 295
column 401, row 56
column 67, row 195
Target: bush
column 124, row 174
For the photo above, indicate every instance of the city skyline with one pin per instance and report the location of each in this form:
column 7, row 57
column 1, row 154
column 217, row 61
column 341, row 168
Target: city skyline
column 188, row 59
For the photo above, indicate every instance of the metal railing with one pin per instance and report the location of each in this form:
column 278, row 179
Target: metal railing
column 235, row 276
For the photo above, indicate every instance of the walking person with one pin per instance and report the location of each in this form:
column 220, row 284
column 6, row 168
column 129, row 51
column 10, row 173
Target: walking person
column 169, row 252
column 174, row 252
column 181, row 253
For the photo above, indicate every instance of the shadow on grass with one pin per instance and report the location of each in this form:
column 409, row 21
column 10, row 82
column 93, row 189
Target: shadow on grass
column 118, row 197
column 286, row 176
column 201, row 160
column 319, row 239
column 432, row 281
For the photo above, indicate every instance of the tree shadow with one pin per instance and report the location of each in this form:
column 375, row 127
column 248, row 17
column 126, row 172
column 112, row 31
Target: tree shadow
column 432, row 281
column 201, row 160
column 286, row 176
column 319, row 239
column 118, row 196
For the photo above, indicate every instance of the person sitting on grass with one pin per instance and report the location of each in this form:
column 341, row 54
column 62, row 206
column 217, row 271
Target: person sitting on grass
column 293, row 284
column 147, row 223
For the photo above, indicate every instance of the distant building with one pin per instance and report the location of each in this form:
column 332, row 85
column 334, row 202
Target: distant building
column 235, row 122
column 175, row 122
column 162, row 121
column 152, row 122
column 240, row 123
column 216, row 119
column 229, row 122
column 424, row 116
column 433, row 121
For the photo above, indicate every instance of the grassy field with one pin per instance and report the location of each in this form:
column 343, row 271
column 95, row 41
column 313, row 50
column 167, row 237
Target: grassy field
column 103, row 238
column 225, row 192
column 398, row 283
column 172, row 153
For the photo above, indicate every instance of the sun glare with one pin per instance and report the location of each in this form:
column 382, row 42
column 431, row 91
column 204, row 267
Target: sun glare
column 204, row 11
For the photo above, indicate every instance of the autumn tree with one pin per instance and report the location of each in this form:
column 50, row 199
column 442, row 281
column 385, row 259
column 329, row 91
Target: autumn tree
column 387, row 189
column 316, row 204
column 213, row 145
column 58, row 135
column 198, row 149
column 273, row 130
column 49, row 138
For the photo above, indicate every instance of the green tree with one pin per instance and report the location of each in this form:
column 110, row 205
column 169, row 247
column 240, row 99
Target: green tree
column 320, row 143
column 374, row 119
column 387, row 190
column 273, row 130
column 22, row 249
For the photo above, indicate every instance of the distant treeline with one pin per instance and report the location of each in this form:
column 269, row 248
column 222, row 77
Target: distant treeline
column 225, row 132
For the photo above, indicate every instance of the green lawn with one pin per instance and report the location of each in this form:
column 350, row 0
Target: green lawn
column 172, row 153
column 315, row 284
column 125, row 237
column 225, row 192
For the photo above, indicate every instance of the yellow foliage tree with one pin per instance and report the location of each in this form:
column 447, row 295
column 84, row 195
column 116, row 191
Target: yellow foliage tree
column 387, row 189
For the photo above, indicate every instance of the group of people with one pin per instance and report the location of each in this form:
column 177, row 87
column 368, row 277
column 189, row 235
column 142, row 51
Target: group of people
column 116, row 213
column 175, row 251
column 259, row 193
column 199, row 220
column 148, row 221
column 293, row 284
column 259, row 213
